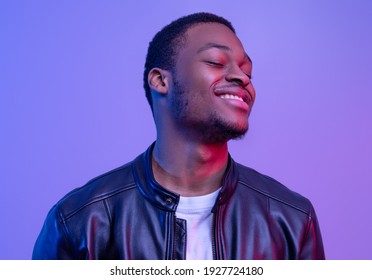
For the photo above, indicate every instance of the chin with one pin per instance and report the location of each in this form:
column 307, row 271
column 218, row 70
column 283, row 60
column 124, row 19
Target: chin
column 221, row 132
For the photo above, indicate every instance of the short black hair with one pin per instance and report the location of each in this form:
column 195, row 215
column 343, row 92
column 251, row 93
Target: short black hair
column 166, row 43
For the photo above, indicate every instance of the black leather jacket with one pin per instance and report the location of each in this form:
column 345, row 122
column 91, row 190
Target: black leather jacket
column 126, row 214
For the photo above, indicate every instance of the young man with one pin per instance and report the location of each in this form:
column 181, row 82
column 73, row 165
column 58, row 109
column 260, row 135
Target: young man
column 185, row 197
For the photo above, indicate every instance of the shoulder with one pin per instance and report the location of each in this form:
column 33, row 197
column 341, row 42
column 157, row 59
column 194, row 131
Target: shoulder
column 103, row 187
column 270, row 188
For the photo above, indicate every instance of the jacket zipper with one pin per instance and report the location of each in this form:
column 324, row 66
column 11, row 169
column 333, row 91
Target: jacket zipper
column 173, row 237
column 214, row 235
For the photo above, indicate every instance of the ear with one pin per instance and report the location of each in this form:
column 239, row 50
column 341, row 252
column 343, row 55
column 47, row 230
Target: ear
column 158, row 80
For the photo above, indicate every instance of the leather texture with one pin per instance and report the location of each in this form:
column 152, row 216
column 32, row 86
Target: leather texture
column 126, row 214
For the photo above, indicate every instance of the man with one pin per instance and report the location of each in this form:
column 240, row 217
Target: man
column 185, row 197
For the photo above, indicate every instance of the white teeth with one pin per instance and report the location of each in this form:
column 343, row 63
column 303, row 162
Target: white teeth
column 230, row 96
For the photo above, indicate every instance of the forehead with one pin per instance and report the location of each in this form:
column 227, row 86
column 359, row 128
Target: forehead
column 204, row 36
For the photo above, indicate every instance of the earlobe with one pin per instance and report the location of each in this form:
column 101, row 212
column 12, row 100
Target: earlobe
column 158, row 80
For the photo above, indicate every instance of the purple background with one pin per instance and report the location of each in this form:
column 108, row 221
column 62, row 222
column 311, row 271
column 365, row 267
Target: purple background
column 72, row 104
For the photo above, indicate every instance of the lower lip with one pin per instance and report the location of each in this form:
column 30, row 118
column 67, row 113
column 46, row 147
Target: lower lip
column 236, row 103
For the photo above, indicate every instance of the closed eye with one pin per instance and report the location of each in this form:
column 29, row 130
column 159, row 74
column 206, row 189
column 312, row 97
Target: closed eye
column 215, row 64
column 249, row 76
column 248, row 73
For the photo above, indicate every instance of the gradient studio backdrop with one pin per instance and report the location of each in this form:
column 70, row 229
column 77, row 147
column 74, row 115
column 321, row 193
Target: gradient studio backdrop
column 72, row 105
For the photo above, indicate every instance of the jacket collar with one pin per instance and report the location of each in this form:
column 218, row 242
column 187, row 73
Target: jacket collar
column 167, row 200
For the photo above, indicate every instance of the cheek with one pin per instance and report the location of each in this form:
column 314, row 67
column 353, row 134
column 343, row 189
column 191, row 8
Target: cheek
column 197, row 77
column 206, row 78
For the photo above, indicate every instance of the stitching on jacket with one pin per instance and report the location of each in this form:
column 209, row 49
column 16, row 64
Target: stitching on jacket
column 309, row 224
column 99, row 198
column 275, row 198
column 65, row 230
column 105, row 202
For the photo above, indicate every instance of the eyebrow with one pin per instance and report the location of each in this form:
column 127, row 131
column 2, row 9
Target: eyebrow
column 220, row 47
column 213, row 45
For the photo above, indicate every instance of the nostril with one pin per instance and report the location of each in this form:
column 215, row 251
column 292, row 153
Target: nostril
column 239, row 77
column 241, row 81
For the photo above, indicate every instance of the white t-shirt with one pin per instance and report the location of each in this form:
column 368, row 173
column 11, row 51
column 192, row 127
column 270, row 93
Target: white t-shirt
column 197, row 213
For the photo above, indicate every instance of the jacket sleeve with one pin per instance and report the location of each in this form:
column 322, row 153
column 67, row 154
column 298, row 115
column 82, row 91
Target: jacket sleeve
column 53, row 242
column 312, row 246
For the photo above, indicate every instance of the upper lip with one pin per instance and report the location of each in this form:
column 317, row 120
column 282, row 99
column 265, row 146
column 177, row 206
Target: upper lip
column 234, row 90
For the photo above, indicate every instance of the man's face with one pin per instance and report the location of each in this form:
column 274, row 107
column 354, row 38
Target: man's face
column 212, row 93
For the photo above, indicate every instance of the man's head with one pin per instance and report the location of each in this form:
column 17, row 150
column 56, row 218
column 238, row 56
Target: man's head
column 165, row 45
column 197, row 79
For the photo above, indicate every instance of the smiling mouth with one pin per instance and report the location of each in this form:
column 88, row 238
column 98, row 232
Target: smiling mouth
column 233, row 93
column 230, row 96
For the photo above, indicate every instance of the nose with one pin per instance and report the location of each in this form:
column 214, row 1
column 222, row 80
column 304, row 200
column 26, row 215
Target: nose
column 237, row 75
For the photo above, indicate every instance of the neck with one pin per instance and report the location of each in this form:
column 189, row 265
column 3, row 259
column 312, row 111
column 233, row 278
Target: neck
column 189, row 169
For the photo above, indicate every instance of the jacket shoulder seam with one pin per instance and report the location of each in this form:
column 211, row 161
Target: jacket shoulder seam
column 108, row 212
column 98, row 199
column 65, row 229
column 274, row 197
